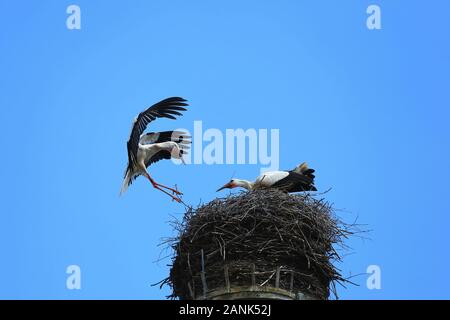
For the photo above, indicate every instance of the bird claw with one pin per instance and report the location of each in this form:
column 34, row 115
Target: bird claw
column 175, row 191
column 177, row 199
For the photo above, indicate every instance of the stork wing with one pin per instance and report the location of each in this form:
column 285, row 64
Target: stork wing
column 160, row 155
column 168, row 108
column 297, row 181
column 180, row 137
column 166, row 154
column 305, row 170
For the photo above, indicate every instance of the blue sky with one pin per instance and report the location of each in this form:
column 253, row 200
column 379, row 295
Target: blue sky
column 367, row 109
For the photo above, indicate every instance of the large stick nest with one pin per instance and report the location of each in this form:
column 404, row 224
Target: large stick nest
column 252, row 235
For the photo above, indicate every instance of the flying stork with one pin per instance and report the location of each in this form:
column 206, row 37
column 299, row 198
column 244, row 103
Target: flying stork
column 148, row 148
column 301, row 178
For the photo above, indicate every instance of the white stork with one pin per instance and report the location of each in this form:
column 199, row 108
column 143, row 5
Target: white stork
column 145, row 149
column 301, row 178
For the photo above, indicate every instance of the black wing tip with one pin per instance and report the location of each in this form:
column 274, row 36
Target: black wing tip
column 177, row 98
column 174, row 99
column 172, row 105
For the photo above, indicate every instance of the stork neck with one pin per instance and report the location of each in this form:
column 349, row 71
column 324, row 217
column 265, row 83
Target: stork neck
column 244, row 184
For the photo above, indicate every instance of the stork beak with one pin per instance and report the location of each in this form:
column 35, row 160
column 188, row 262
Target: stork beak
column 226, row 186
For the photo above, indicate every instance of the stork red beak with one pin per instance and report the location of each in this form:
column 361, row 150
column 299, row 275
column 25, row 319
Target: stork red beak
column 229, row 185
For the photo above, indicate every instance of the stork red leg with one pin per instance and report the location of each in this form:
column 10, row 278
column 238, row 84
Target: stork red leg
column 173, row 190
column 156, row 186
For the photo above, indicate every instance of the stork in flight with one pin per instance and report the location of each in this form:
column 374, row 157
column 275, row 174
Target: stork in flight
column 301, row 178
column 148, row 148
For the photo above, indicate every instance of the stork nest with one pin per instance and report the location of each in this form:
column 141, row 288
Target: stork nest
column 263, row 238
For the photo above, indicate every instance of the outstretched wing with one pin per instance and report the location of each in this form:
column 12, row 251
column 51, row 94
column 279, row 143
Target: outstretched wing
column 168, row 108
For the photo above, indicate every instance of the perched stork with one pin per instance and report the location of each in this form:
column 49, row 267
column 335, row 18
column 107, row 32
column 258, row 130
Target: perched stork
column 301, row 178
column 145, row 149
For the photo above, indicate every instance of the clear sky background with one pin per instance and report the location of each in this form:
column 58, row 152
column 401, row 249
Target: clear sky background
column 369, row 110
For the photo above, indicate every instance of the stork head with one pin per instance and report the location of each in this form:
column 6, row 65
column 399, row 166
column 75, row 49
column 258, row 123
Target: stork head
column 230, row 185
